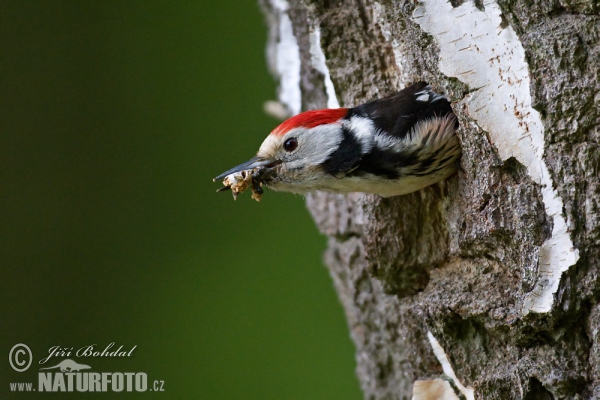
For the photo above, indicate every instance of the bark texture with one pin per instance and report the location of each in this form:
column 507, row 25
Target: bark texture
column 457, row 260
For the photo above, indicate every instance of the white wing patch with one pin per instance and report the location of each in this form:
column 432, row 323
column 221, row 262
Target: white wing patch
column 427, row 95
column 423, row 97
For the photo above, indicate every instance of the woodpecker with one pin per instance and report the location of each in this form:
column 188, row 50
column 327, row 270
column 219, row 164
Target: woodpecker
column 390, row 146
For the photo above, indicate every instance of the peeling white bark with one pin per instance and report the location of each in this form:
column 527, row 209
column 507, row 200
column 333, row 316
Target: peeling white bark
column 436, row 389
column 318, row 63
column 287, row 60
column 477, row 49
column 440, row 354
column 376, row 246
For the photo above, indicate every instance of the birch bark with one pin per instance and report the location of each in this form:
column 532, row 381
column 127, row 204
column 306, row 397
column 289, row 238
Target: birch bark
column 486, row 285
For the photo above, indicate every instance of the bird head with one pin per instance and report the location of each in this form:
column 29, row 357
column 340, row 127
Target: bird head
column 292, row 155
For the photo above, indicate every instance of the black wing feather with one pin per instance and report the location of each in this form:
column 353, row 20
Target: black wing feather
column 398, row 113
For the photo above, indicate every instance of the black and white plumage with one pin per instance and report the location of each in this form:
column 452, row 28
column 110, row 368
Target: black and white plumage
column 390, row 146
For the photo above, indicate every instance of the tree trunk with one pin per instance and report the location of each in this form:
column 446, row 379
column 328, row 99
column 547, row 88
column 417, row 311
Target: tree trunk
column 484, row 285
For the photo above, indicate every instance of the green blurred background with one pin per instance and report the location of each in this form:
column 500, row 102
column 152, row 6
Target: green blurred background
column 114, row 117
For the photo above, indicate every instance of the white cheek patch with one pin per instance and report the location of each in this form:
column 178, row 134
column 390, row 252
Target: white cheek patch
column 363, row 131
column 315, row 146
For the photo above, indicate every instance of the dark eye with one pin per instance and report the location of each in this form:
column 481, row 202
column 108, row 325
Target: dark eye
column 290, row 144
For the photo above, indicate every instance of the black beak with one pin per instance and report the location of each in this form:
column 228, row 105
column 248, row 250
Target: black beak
column 250, row 164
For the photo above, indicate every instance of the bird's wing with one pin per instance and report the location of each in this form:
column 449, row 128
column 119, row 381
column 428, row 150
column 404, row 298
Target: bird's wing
column 397, row 114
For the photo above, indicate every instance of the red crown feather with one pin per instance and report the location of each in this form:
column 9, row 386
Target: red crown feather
column 310, row 119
